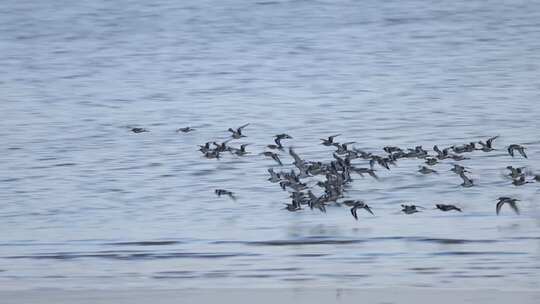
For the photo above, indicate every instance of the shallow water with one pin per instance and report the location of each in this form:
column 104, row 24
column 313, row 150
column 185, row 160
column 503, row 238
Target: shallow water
column 87, row 204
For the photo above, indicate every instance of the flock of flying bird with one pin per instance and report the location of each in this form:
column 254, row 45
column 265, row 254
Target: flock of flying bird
column 335, row 176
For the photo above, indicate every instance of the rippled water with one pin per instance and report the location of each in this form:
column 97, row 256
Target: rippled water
column 87, row 204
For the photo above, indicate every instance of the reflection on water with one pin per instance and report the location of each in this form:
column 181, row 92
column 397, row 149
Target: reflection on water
column 88, row 204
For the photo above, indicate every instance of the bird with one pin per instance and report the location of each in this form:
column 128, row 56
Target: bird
column 458, row 169
column 467, row 182
column 240, row 152
column 507, row 200
column 277, row 140
column 221, row 147
column 274, row 156
column 457, row 157
column 283, row 136
column 236, row 134
column 392, row 149
column 488, row 145
column 330, row 140
column 316, row 202
column 298, row 162
column 431, row 161
column 426, row 170
column 357, row 204
column 212, row 154
column 441, row 154
column 185, row 130
column 342, row 148
column 274, row 177
column 409, row 209
column 205, row 148
column 139, row 130
column 295, row 206
column 515, row 172
column 220, row 192
column 464, row 148
column 519, row 148
column 520, row 181
column 444, row 207
column 360, row 171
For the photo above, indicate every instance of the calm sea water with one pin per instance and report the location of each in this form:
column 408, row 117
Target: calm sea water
column 85, row 203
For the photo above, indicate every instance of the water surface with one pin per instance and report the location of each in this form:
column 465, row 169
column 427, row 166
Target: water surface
column 87, row 204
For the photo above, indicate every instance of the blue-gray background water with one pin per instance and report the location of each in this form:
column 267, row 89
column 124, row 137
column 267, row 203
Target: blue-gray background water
column 85, row 203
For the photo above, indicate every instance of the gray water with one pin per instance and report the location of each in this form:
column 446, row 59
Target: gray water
column 85, row 203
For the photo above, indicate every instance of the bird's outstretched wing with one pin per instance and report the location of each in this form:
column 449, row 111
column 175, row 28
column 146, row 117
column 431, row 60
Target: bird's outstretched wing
column 498, row 207
column 511, row 151
column 368, row 209
column 353, row 212
column 243, row 126
column 490, row 141
column 514, row 207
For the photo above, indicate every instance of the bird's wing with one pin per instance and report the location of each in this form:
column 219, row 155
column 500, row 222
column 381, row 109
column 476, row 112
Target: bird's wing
column 498, row 207
column 297, row 158
column 490, row 141
column 368, row 209
column 353, row 212
column 243, row 126
column 372, row 174
column 514, row 207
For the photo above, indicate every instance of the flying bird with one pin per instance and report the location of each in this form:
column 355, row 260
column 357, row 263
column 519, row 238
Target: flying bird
column 507, row 200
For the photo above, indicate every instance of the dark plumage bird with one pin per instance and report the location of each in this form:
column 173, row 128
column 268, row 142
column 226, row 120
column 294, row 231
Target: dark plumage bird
column 277, row 140
column 361, row 171
column 515, row 172
column 298, row 162
column 185, row 130
column 212, row 154
column 457, row 169
column 274, row 156
column 431, row 161
column 426, row 170
column 236, row 134
column 330, row 140
column 342, row 148
column 409, row 209
column 139, row 130
column 441, row 154
column 467, row 182
column 221, row 147
column 240, row 152
column 274, row 177
column 507, row 200
column 295, row 206
column 519, row 148
column 360, row 205
column 520, row 181
column 392, row 149
column 283, row 136
column 357, row 204
column 220, row 192
column 464, row 148
column 205, row 148
column 488, row 145
column 457, row 157
column 444, row 207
